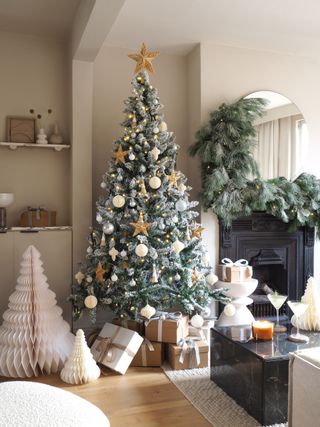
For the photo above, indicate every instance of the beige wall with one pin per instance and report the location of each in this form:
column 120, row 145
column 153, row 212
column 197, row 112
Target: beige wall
column 229, row 73
column 34, row 75
column 113, row 72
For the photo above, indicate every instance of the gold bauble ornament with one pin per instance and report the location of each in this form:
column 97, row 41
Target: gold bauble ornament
column 155, row 182
column 118, row 201
column 141, row 250
column 90, row 301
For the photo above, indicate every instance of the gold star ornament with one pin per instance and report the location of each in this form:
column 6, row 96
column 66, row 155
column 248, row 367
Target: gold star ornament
column 173, row 178
column 120, row 155
column 143, row 59
column 140, row 227
column 197, row 232
column 100, row 271
column 196, row 275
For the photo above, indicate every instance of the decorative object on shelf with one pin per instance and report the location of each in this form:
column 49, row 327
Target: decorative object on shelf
column 149, row 354
column 42, row 121
column 21, row 130
column 56, row 137
column 310, row 320
column 166, row 209
column 262, row 330
column 80, row 367
column 38, row 217
column 115, row 347
column 42, row 137
column 277, row 301
column 197, row 321
column 167, row 327
column 235, row 272
column 34, row 338
column 298, row 308
column 6, row 199
column 189, row 353
column 228, row 189
column 239, row 294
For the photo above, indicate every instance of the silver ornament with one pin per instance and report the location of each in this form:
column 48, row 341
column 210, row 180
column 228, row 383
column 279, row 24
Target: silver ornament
column 99, row 218
column 123, row 253
column 108, row 228
column 156, row 130
column 132, row 203
column 132, row 282
column 177, row 277
column 114, row 277
column 181, row 205
column 132, row 156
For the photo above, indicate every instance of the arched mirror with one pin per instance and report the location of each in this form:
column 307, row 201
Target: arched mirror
column 282, row 137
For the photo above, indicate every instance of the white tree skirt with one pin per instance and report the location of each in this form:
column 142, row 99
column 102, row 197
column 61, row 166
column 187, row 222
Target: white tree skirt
column 29, row 404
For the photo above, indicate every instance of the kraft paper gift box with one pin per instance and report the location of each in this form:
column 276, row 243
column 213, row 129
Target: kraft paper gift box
column 130, row 324
column 149, row 354
column 115, row 347
column 204, row 332
column 233, row 272
column 188, row 354
column 167, row 330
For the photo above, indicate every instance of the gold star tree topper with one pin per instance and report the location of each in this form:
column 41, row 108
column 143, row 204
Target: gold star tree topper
column 140, row 226
column 143, row 59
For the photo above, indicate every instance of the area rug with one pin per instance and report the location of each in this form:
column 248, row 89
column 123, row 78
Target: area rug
column 209, row 399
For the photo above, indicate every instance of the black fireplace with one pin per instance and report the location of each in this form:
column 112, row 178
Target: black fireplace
column 282, row 260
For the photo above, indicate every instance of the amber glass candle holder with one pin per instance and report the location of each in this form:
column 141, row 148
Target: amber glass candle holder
column 262, row 330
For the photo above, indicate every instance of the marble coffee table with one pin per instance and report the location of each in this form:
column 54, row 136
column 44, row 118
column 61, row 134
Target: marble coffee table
column 255, row 374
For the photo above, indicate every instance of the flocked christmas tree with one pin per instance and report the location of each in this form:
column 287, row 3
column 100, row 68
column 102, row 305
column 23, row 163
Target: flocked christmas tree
column 34, row 338
column 148, row 249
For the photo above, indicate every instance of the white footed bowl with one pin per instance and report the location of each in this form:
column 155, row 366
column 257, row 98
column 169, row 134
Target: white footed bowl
column 6, row 199
column 238, row 290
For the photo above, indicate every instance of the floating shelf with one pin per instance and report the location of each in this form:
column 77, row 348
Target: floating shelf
column 32, row 229
column 15, row 145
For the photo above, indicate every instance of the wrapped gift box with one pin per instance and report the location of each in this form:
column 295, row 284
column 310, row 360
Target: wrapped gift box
column 38, row 217
column 167, row 330
column 234, row 273
column 115, row 347
column 183, row 355
column 149, row 354
column 204, row 332
column 130, row 324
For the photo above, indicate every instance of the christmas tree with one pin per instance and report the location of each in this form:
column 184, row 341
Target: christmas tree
column 310, row 319
column 80, row 367
column 148, row 248
column 34, row 338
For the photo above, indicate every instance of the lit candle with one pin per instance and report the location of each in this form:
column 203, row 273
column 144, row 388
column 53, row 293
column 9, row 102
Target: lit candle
column 262, row 330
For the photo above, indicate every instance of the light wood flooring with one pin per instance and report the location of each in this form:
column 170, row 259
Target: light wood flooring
column 143, row 397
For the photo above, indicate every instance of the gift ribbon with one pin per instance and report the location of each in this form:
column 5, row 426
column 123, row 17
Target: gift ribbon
column 106, row 345
column 146, row 344
column 164, row 315
column 239, row 263
column 191, row 344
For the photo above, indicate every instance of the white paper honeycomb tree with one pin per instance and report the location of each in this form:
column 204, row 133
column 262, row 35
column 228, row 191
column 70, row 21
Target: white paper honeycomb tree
column 310, row 320
column 80, row 367
column 34, row 338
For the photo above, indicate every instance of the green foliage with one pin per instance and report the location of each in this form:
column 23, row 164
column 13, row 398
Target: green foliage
column 231, row 184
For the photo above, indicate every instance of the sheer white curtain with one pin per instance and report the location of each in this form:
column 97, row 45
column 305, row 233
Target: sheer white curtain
column 278, row 150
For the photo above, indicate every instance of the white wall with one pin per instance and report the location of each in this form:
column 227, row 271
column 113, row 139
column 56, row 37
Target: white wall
column 34, row 75
column 228, row 73
column 113, row 72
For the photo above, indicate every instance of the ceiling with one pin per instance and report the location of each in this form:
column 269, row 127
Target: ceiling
column 46, row 18
column 175, row 26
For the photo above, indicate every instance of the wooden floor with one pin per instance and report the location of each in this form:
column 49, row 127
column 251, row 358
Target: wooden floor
column 144, row 397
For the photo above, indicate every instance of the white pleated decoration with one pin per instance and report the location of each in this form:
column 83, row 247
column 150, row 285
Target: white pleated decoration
column 34, row 338
column 80, row 367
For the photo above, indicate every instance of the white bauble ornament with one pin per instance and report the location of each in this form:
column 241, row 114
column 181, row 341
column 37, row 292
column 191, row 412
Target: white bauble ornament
column 205, row 260
column 206, row 312
column 141, row 250
column 177, row 246
column 163, row 126
column 99, row 218
column 156, row 130
column 108, row 228
column 229, row 310
column 155, row 182
column 123, row 253
column 177, row 277
column 147, row 311
column 132, row 282
column 175, row 219
column 89, row 279
column 89, row 250
column 197, row 321
column 181, row 205
column 132, row 156
column 118, row 201
column 90, row 301
column 211, row 279
column 103, row 185
column 182, row 188
column 114, row 277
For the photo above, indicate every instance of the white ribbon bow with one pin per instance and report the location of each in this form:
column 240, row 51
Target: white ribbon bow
column 194, row 351
column 239, row 263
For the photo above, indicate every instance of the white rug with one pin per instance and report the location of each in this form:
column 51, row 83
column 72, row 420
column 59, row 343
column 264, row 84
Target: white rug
column 213, row 403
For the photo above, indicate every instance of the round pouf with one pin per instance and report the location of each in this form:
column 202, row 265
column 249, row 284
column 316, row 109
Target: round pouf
column 24, row 403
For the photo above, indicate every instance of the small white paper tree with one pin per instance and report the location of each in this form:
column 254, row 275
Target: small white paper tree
column 310, row 320
column 80, row 366
column 34, row 338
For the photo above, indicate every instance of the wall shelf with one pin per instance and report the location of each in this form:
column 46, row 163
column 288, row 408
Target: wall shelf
column 15, row 145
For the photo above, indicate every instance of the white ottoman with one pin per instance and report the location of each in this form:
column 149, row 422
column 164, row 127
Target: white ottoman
column 24, row 404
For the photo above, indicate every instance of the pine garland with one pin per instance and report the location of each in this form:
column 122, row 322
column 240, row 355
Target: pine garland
column 231, row 183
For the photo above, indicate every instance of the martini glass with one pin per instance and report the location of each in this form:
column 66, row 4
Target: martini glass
column 298, row 308
column 277, row 301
